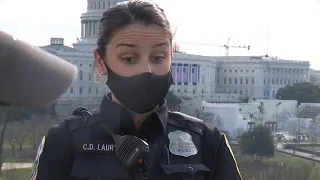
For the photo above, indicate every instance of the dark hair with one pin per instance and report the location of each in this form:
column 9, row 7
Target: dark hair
column 126, row 13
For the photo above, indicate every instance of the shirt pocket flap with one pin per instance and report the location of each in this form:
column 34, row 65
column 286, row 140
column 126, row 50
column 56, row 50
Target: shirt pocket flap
column 184, row 168
column 98, row 171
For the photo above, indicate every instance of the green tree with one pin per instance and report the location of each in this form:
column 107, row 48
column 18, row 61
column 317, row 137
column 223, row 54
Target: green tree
column 302, row 92
column 257, row 143
column 173, row 101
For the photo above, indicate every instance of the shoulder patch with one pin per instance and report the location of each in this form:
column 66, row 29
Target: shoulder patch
column 181, row 144
column 36, row 162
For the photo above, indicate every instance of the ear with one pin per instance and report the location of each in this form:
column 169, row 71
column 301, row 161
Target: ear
column 99, row 62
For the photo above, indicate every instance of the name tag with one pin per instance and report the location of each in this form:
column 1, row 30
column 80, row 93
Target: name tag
column 98, row 147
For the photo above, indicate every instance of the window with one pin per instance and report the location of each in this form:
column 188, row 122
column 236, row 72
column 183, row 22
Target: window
column 230, row 81
column 71, row 90
column 89, row 90
column 252, row 81
column 202, row 91
column 225, row 81
column 185, row 90
column 80, row 90
column 90, row 76
column 194, row 91
column 241, row 81
column 81, row 75
column 97, row 90
column 247, row 81
column 235, row 81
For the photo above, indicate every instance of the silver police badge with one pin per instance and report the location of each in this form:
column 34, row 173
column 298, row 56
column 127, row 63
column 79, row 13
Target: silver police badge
column 181, row 144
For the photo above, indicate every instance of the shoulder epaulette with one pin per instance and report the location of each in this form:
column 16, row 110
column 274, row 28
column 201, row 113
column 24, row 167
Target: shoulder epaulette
column 78, row 118
column 182, row 116
column 185, row 121
column 81, row 111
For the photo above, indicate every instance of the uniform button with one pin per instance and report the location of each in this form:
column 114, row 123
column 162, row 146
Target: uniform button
column 190, row 169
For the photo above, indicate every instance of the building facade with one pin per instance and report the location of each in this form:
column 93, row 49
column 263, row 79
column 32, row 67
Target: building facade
column 214, row 78
column 315, row 77
column 258, row 76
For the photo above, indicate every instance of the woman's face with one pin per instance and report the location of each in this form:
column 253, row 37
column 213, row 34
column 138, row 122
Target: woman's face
column 137, row 49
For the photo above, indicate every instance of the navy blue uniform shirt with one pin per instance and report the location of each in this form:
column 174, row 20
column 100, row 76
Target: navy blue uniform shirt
column 81, row 149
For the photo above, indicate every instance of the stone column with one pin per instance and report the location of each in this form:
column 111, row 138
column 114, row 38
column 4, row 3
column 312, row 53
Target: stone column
column 82, row 30
column 87, row 28
column 92, row 28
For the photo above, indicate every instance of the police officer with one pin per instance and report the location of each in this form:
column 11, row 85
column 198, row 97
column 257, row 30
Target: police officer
column 134, row 136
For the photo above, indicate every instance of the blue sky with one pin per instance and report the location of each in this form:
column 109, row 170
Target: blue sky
column 293, row 25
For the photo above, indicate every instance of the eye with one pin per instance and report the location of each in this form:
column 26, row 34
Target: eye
column 158, row 59
column 129, row 60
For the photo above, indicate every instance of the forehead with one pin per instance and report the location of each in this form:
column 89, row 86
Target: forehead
column 138, row 33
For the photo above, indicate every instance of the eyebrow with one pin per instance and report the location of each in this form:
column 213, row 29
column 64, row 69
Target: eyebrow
column 133, row 45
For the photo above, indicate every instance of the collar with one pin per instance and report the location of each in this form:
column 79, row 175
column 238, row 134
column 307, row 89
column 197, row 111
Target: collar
column 121, row 121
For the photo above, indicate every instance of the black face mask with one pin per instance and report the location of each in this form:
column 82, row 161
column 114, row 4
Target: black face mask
column 140, row 93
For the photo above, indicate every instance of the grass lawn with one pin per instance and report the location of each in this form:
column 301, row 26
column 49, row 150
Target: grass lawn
column 16, row 174
column 296, row 165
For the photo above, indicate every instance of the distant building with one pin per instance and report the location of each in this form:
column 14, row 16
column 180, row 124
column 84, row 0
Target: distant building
column 211, row 78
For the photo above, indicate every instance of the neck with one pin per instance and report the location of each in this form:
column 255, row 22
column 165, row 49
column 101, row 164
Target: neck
column 139, row 119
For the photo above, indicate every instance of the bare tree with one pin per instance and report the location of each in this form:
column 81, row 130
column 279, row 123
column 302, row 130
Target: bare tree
column 7, row 114
column 313, row 80
column 10, row 137
column 36, row 128
column 213, row 119
column 4, row 120
column 183, row 103
column 16, row 135
column 238, row 132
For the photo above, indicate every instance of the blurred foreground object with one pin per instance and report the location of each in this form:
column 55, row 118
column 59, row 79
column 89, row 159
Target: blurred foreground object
column 29, row 76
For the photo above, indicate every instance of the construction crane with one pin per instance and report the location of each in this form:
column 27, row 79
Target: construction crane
column 226, row 46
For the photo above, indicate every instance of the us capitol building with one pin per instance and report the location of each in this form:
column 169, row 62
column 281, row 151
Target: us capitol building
column 211, row 78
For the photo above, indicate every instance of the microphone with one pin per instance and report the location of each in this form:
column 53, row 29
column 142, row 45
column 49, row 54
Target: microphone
column 129, row 149
column 29, row 76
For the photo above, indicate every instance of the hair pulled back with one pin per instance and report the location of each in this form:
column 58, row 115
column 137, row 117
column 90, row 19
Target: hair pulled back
column 127, row 13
